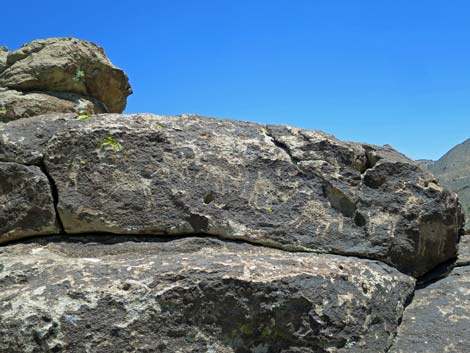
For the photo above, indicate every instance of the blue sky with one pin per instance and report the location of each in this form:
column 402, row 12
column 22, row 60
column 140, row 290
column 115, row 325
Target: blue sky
column 395, row 72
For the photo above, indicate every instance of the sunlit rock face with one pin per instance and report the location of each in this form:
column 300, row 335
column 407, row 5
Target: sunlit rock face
column 93, row 294
column 278, row 186
column 183, row 234
column 59, row 75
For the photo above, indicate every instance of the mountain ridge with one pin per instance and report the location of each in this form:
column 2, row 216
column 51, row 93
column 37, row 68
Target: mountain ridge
column 453, row 171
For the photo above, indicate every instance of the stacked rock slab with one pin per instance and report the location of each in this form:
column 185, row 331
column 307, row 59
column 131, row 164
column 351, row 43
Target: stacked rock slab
column 145, row 233
column 276, row 186
column 244, row 189
column 59, row 75
column 86, row 294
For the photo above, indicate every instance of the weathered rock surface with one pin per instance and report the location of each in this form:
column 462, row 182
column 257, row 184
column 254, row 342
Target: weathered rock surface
column 271, row 185
column 57, row 73
column 438, row 319
column 3, row 58
column 313, row 213
column 15, row 105
column 193, row 295
column 464, row 252
column 26, row 203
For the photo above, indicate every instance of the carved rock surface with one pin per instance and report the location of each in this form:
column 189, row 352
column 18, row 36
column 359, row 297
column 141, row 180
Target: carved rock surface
column 15, row 105
column 66, row 65
column 26, row 202
column 277, row 186
column 438, row 319
column 99, row 294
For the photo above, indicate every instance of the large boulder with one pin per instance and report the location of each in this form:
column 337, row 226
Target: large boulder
column 270, row 185
column 15, row 105
column 66, row 65
column 89, row 294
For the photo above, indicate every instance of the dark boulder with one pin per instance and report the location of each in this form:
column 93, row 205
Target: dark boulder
column 278, row 186
column 105, row 294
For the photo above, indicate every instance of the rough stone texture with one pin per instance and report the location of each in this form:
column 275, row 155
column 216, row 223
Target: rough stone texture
column 193, row 295
column 3, row 58
column 15, row 105
column 438, row 319
column 277, row 186
column 26, row 202
column 464, row 251
column 67, row 65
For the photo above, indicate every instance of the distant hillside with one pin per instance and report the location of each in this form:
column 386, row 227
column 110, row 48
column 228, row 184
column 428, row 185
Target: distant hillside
column 453, row 171
column 425, row 163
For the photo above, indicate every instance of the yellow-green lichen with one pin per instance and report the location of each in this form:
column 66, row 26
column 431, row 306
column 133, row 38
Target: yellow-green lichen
column 269, row 209
column 111, row 142
column 83, row 117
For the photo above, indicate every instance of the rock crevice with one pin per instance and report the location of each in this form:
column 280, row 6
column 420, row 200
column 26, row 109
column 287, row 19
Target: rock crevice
column 54, row 194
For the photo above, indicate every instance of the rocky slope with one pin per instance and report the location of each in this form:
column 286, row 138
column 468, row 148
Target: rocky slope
column 146, row 233
column 453, row 171
column 59, row 75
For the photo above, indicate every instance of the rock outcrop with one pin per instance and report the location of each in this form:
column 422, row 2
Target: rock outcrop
column 59, row 75
column 276, row 186
column 145, row 233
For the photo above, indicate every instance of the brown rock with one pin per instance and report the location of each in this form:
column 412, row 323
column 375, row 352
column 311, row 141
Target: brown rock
column 15, row 105
column 3, row 58
column 67, row 65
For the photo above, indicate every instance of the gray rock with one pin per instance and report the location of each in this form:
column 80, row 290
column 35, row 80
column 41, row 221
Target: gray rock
column 67, row 65
column 438, row 319
column 88, row 294
column 27, row 206
column 276, row 186
column 3, row 58
column 464, row 252
column 15, row 105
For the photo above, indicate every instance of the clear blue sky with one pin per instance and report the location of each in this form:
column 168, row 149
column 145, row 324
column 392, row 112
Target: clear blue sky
column 388, row 71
